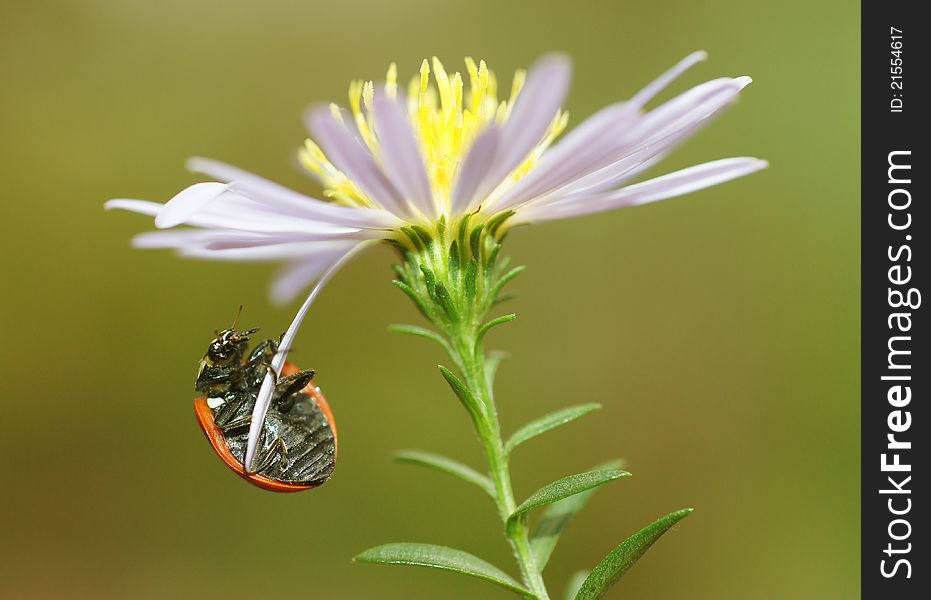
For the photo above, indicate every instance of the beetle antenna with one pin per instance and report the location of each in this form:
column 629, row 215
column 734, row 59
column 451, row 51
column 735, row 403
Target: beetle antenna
column 236, row 319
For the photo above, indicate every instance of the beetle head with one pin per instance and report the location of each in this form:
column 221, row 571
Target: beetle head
column 228, row 345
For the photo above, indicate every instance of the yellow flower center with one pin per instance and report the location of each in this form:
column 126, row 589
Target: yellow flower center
column 446, row 119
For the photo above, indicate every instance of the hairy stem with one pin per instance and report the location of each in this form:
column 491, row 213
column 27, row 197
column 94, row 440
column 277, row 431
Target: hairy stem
column 469, row 354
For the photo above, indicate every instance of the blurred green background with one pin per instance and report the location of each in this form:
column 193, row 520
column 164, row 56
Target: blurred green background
column 720, row 331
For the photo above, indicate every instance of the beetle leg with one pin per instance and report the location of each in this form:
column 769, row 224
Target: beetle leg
column 236, row 424
column 278, row 446
column 287, row 388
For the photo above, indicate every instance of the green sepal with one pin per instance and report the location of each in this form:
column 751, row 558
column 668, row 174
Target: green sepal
column 475, row 239
column 424, row 235
column 410, row 293
column 565, row 487
column 400, row 272
column 502, row 299
column 454, row 260
column 463, row 230
column 446, row 465
column 495, row 222
column 506, row 278
column 443, row 558
column 547, row 422
column 491, row 260
column 430, row 280
column 413, row 237
column 441, row 229
column 470, row 277
column 622, row 558
column 446, row 302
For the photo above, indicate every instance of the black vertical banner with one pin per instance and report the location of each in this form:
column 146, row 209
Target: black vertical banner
column 896, row 374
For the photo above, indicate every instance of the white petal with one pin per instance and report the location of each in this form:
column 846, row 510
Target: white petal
column 187, row 202
column 278, row 195
column 143, row 207
column 661, row 82
column 283, row 250
column 350, row 157
column 623, row 133
column 668, row 186
column 638, row 159
column 265, row 392
column 535, row 108
column 691, row 105
column 210, row 243
column 400, row 155
column 476, row 165
column 175, row 238
column 573, row 156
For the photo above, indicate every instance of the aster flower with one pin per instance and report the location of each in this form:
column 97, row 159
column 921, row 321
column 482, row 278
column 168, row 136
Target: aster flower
column 442, row 158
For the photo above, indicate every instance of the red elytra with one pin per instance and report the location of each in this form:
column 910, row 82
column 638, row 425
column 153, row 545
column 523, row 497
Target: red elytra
column 218, row 440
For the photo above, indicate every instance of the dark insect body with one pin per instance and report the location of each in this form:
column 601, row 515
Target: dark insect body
column 298, row 447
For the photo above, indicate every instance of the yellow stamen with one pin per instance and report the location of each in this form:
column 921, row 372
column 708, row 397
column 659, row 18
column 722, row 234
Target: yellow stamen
column 445, row 119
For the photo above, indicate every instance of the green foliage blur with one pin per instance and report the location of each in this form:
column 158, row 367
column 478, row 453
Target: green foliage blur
column 719, row 331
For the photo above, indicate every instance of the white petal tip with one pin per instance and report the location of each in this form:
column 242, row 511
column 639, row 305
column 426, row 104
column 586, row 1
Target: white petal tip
column 743, row 81
column 194, row 164
column 553, row 65
column 143, row 207
column 698, row 56
column 187, row 202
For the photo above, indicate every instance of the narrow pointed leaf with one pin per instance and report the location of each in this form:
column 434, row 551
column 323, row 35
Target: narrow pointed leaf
column 446, row 465
column 440, row 557
column 547, row 422
column 492, row 362
column 557, row 517
column 491, row 324
column 622, row 558
column 575, row 583
column 420, row 332
column 565, row 487
column 462, row 392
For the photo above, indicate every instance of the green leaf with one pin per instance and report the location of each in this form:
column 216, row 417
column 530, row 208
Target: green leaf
column 462, row 392
column 547, row 422
column 491, row 324
column 492, row 362
column 575, row 582
column 557, row 517
column 565, row 487
column 443, row 558
column 446, row 465
column 622, row 558
column 421, row 332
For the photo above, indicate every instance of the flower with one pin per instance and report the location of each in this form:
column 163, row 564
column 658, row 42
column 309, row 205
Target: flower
column 431, row 157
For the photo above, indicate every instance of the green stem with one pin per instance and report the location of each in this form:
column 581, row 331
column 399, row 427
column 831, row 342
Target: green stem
column 470, row 355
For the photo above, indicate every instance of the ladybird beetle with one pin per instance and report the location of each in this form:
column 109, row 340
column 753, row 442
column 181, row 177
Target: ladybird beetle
column 297, row 450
